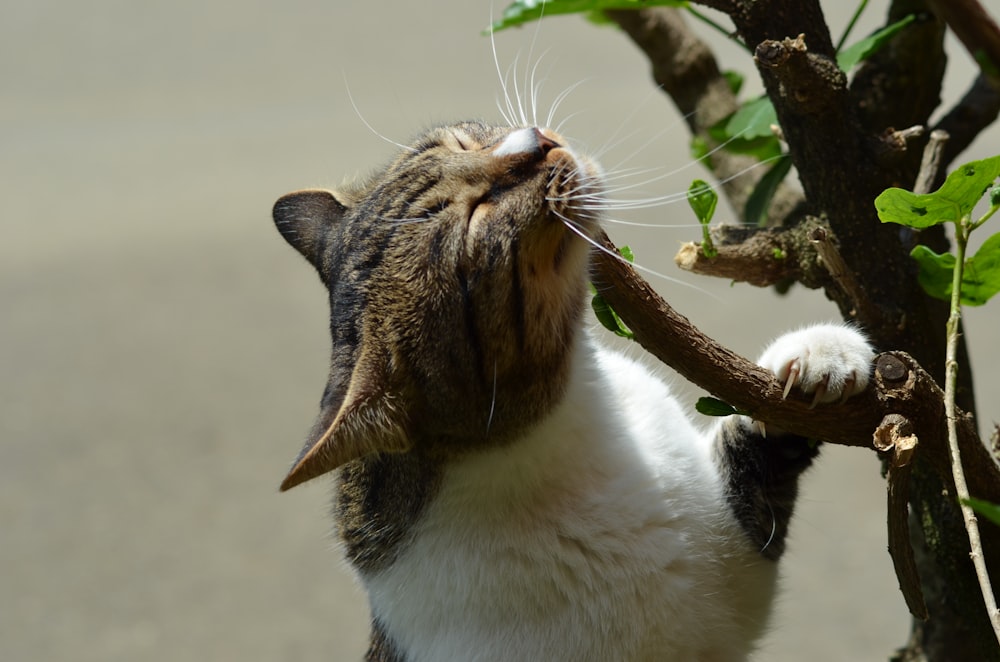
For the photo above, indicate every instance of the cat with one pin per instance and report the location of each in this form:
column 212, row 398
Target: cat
column 507, row 487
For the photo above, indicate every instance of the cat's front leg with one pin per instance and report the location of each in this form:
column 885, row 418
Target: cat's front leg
column 829, row 362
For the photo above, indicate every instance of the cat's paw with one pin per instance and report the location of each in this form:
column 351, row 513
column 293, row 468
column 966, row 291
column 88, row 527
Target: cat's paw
column 828, row 361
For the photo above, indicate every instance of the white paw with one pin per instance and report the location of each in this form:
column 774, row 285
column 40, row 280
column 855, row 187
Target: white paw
column 830, row 362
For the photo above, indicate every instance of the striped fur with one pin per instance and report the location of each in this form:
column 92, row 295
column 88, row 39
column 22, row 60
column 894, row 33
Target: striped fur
column 508, row 489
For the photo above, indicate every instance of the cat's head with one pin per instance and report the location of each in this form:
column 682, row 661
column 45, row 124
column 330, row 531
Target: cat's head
column 457, row 279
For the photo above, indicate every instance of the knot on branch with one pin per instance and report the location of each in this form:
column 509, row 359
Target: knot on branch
column 806, row 80
column 892, row 144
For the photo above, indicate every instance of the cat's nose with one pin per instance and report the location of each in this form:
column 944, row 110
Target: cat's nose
column 529, row 140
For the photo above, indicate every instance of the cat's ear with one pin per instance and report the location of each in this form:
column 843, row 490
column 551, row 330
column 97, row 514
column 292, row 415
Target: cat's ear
column 369, row 420
column 304, row 218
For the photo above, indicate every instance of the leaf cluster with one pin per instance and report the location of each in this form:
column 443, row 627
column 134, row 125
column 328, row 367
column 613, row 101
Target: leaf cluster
column 954, row 203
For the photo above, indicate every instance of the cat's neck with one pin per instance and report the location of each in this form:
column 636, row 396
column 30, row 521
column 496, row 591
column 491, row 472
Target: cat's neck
column 613, row 493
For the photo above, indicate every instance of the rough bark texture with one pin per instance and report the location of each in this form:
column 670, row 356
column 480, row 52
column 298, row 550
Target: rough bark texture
column 845, row 143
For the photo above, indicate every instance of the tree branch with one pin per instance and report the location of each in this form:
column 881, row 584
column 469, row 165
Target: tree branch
column 685, row 68
column 895, row 437
column 900, row 386
column 976, row 110
column 975, row 29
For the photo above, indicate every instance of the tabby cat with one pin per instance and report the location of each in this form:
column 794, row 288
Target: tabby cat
column 508, row 489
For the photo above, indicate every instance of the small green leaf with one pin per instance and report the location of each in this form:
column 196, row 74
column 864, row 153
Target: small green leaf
column 779, row 254
column 995, row 196
column 755, row 211
column 936, row 271
column 714, row 407
column 626, row 252
column 988, row 66
column 752, row 120
column 990, row 511
column 850, row 56
column 955, row 199
column 609, row 318
column 981, row 276
column 710, row 406
column 762, row 148
column 699, row 149
column 734, row 79
column 703, row 200
column 524, row 11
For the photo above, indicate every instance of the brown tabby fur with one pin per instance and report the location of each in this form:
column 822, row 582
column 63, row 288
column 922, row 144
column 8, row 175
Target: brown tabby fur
column 445, row 270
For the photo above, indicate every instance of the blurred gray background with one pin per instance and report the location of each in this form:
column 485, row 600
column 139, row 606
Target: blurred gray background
column 163, row 350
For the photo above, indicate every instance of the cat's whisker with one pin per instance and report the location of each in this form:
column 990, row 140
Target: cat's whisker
column 361, row 117
column 562, row 96
column 407, row 221
column 529, row 87
column 512, row 72
column 613, row 141
column 659, row 134
column 575, row 228
column 623, row 173
column 503, row 113
column 688, row 165
column 536, row 87
column 510, row 114
column 493, row 400
column 661, row 226
column 642, row 203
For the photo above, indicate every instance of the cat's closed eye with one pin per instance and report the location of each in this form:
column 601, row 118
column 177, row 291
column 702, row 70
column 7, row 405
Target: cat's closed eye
column 464, row 141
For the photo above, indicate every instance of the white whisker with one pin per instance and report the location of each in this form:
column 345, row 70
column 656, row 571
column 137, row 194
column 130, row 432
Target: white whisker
column 558, row 101
column 365, row 122
column 574, row 227
column 510, row 114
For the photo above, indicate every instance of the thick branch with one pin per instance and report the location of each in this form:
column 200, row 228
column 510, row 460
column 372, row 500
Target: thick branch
column 973, row 113
column 975, row 29
column 900, row 84
column 895, row 437
column 907, row 390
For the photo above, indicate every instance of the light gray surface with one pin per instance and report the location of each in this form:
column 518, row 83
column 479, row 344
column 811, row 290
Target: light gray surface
column 163, row 350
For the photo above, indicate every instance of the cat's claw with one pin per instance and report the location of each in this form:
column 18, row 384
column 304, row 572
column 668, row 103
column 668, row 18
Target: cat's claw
column 829, row 362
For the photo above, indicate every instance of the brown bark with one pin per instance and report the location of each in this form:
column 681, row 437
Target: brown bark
column 846, row 151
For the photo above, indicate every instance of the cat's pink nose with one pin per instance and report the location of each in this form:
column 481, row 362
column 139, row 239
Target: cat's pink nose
column 529, row 140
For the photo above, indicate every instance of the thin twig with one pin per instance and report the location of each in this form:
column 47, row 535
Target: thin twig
column 958, row 473
column 930, row 164
column 826, row 247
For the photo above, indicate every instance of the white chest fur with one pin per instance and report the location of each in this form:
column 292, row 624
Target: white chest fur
column 602, row 535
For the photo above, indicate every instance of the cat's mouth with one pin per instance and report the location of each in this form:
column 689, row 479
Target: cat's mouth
column 571, row 191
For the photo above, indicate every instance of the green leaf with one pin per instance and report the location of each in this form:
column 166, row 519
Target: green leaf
column 936, row 271
column 734, row 79
column 609, row 318
column 955, row 199
column 748, row 130
column 710, row 406
column 626, row 252
column 755, row 211
column 752, row 120
column 850, row 56
column 699, row 148
column 703, row 200
column 980, row 277
column 524, row 11
column 990, row 511
column 763, row 148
